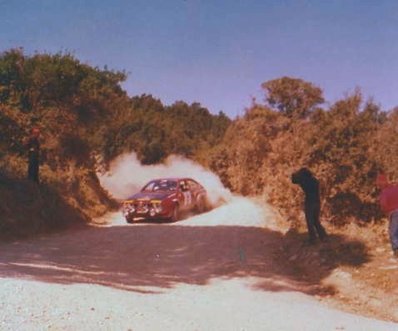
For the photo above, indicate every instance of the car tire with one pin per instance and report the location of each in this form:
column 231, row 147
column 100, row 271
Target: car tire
column 201, row 205
column 175, row 217
column 129, row 220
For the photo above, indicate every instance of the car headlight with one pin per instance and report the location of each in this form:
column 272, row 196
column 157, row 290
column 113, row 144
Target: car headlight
column 128, row 207
column 156, row 207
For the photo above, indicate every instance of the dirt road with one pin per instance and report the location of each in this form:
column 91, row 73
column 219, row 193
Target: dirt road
column 223, row 270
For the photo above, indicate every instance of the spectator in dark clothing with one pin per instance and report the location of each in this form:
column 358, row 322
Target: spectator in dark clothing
column 33, row 146
column 312, row 205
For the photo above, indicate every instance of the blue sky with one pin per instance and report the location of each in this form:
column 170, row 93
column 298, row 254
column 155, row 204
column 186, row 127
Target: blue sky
column 219, row 52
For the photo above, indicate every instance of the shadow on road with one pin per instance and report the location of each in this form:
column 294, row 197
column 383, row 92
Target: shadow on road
column 151, row 258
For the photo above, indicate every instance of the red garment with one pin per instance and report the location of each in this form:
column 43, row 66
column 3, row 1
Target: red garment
column 389, row 199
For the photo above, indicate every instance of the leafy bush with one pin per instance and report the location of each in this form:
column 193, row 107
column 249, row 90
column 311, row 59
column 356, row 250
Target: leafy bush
column 85, row 119
column 344, row 146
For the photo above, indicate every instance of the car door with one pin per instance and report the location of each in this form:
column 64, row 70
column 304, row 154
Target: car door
column 187, row 198
column 197, row 192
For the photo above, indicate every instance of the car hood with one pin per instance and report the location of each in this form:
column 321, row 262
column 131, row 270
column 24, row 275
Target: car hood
column 151, row 195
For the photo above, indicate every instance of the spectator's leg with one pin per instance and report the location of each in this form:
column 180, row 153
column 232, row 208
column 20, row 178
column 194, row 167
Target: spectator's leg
column 30, row 169
column 317, row 224
column 309, row 217
column 33, row 169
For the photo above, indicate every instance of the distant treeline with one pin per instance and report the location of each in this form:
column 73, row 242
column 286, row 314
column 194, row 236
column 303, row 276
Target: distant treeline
column 87, row 120
column 82, row 110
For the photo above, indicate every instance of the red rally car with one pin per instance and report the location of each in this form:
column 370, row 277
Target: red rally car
column 166, row 198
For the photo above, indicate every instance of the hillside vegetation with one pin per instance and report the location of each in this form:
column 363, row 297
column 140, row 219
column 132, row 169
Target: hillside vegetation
column 344, row 145
column 86, row 119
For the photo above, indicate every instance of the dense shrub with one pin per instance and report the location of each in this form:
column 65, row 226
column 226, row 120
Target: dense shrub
column 86, row 119
column 344, row 145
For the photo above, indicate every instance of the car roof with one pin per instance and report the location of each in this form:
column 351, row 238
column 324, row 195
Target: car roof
column 172, row 179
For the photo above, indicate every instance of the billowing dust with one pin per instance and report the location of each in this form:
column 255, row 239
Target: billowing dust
column 127, row 176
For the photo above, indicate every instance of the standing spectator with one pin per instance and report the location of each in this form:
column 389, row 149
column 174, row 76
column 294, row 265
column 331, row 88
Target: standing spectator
column 33, row 146
column 312, row 204
column 389, row 204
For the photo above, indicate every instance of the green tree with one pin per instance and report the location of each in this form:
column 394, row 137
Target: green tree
column 293, row 97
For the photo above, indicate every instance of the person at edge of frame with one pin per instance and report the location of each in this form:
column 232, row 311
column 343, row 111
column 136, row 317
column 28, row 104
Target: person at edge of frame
column 388, row 199
column 312, row 204
column 33, row 146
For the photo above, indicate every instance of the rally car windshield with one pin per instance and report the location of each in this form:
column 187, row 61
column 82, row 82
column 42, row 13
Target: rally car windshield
column 160, row 185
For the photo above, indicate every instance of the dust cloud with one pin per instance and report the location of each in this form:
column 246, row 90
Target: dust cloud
column 127, row 176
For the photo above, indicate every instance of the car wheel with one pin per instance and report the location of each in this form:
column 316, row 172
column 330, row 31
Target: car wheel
column 201, row 205
column 129, row 219
column 176, row 214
